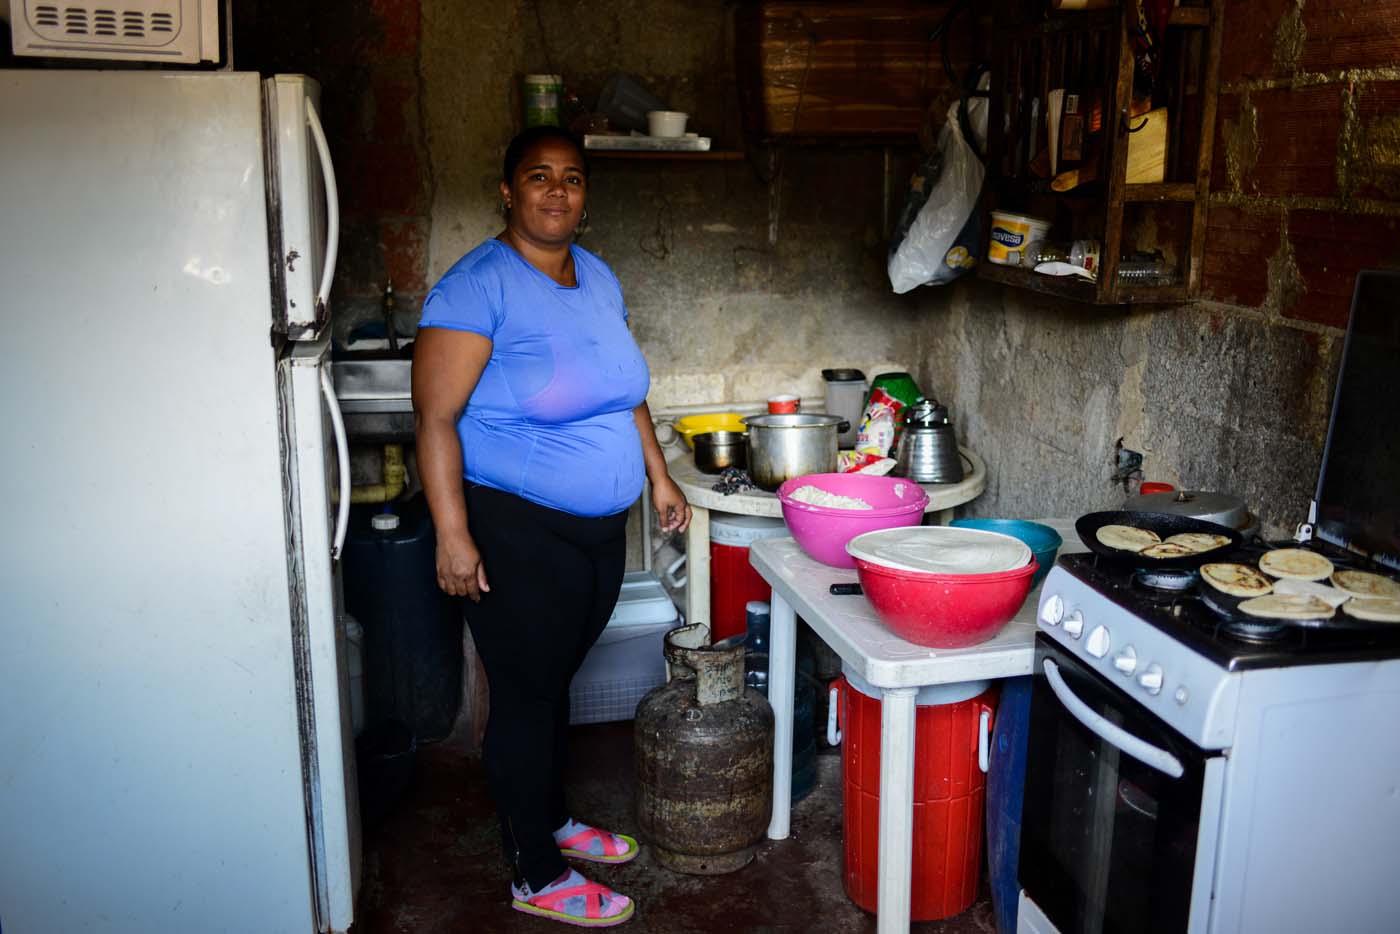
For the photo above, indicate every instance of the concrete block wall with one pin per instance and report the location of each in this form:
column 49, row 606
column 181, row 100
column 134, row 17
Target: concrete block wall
column 1306, row 175
column 1232, row 393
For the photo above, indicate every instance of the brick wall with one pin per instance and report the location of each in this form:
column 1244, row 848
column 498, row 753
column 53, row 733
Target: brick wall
column 1306, row 177
column 366, row 57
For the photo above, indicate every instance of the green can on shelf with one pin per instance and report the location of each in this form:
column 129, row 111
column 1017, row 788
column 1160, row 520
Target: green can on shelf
column 902, row 387
column 542, row 94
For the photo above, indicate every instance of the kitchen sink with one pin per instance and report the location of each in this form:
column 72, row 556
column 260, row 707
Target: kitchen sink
column 374, row 380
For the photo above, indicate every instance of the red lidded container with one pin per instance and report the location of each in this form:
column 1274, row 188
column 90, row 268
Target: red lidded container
column 949, row 793
column 733, row 581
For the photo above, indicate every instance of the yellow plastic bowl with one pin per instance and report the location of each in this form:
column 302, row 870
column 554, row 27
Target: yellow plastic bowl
column 692, row 425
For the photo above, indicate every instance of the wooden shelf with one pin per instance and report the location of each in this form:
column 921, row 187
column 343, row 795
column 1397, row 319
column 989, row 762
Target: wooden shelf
column 1092, row 56
column 1082, row 290
column 1162, row 191
column 713, row 155
column 1197, row 16
column 1072, row 287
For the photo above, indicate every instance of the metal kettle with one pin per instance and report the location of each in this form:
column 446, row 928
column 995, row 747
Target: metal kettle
column 928, row 449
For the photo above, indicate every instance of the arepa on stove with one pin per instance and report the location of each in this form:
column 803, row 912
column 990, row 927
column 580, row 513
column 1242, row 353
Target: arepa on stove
column 1127, row 537
column 1287, row 606
column 1198, row 542
column 1295, row 563
column 1237, row 580
column 1373, row 610
column 1366, row 585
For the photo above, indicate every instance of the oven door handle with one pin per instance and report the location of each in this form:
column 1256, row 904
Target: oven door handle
column 1112, row 733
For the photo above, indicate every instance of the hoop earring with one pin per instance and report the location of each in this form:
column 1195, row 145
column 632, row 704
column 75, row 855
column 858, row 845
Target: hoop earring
column 582, row 223
column 503, row 209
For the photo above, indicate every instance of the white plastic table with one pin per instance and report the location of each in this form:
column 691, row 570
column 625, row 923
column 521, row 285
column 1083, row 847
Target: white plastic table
column 849, row 625
column 699, row 492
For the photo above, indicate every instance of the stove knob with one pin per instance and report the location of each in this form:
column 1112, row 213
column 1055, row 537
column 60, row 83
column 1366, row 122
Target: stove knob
column 1097, row 644
column 1126, row 660
column 1074, row 624
column 1052, row 610
column 1151, row 679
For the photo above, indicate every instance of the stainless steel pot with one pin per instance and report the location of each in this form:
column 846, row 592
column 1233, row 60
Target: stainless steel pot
column 785, row 446
column 716, row 450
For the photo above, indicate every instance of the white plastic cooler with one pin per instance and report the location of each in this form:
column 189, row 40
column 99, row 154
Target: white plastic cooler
column 626, row 661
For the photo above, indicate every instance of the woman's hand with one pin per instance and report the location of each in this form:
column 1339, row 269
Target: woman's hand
column 672, row 511
column 460, row 571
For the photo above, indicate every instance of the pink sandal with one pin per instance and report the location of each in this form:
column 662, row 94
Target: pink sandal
column 599, row 846
column 602, row 907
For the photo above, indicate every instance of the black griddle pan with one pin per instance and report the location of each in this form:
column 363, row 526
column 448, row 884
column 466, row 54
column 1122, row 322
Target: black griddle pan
column 1165, row 525
column 1227, row 607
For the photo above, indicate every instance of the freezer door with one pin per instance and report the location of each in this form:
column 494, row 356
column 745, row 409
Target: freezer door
column 303, row 211
column 313, row 446
column 150, row 772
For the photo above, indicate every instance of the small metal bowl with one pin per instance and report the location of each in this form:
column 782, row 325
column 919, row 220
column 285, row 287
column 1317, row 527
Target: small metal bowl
column 716, row 450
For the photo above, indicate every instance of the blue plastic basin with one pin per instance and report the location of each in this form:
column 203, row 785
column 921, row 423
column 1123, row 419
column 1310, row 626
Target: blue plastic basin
column 1043, row 541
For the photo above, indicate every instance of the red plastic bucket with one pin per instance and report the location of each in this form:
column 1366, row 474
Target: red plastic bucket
column 733, row 581
column 949, row 793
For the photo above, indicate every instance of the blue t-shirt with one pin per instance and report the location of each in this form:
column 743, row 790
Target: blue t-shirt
column 551, row 418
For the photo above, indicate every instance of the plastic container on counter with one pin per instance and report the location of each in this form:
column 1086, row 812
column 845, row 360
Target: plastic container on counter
column 845, row 395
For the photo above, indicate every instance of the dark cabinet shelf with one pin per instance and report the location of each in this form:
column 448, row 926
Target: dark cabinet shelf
column 713, row 155
column 1151, row 205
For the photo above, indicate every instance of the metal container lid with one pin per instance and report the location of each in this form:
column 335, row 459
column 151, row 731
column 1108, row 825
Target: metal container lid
column 926, row 413
column 812, row 420
column 843, row 375
column 1221, row 508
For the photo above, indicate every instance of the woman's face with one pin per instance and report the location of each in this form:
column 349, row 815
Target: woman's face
column 546, row 195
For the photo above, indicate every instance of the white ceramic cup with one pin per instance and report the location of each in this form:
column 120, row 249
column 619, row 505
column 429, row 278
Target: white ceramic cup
column 667, row 123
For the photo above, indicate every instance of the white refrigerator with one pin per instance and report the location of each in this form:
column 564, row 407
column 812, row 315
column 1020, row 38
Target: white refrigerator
column 175, row 750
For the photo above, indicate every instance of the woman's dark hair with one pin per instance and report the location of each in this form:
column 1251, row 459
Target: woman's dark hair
column 515, row 152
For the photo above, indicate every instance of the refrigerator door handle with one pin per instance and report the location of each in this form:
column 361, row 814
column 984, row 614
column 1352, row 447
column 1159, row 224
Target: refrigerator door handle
column 342, row 451
column 323, row 150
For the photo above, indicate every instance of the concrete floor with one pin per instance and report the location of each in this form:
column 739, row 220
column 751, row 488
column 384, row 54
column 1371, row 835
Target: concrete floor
column 433, row 866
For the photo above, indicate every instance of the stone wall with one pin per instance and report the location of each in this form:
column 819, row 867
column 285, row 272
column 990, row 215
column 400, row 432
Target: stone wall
column 746, row 278
column 1232, row 393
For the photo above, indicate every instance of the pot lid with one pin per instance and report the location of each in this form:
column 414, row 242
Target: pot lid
column 940, row 549
column 1222, row 508
column 789, row 420
column 926, row 413
column 843, row 375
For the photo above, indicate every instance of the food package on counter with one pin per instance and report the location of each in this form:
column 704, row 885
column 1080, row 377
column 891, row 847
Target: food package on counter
column 856, row 462
column 879, row 426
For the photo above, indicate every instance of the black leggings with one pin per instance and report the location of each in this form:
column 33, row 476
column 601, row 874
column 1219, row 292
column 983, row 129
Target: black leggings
column 554, row 580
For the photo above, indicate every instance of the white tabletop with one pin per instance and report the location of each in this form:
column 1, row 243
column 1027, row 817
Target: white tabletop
column 699, row 490
column 850, row 626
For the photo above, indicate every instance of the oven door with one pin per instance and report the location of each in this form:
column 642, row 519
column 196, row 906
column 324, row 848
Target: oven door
column 1114, row 804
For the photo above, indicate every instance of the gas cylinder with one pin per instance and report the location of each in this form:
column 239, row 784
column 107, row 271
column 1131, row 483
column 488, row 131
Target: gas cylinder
column 704, row 758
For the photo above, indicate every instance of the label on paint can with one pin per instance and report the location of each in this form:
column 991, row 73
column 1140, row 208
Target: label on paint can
column 1010, row 235
column 542, row 94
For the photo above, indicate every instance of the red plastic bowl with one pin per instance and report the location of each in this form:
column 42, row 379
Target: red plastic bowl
column 823, row 531
column 945, row 611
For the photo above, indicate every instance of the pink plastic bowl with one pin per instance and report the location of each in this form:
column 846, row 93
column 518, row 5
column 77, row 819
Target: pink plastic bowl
column 944, row 611
column 823, row 532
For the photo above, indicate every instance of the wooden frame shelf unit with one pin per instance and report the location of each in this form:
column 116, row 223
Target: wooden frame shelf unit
column 1091, row 53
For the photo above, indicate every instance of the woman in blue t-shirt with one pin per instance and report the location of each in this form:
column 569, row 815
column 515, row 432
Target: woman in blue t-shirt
column 528, row 384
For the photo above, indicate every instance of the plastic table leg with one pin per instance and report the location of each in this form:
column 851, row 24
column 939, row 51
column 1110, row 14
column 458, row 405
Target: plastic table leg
column 782, row 679
column 897, row 712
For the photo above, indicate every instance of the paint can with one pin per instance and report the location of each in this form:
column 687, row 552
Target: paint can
column 1011, row 233
column 542, row 94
